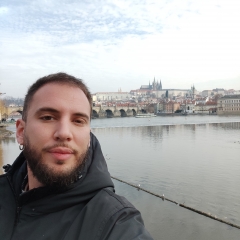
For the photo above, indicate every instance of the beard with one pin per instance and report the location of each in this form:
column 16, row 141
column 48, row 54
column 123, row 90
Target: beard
column 47, row 175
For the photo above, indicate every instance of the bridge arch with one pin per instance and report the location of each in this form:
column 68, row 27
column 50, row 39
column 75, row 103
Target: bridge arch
column 143, row 111
column 134, row 112
column 123, row 113
column 95, row 114
column 15, row 113
column 19, row 111
column 109, row 113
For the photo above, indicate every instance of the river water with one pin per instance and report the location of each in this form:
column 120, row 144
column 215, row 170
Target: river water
column 190, row 159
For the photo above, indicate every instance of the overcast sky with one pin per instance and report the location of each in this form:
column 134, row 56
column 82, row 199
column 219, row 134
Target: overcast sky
column 120, row 44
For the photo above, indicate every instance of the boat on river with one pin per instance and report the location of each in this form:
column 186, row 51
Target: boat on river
column 145, row 115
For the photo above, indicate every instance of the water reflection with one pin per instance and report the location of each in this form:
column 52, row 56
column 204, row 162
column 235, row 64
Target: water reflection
column 192, row 163
column 190, row 126
column 157, row 133
column 5, row 140
column 154, row 133
column 8, row 140
column 233, row 125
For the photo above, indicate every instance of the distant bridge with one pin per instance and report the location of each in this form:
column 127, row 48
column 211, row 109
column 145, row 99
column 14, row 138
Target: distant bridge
column 120, row 110
column 103, row 111
column 8, row 111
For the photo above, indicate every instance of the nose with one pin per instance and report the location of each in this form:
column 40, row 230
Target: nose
column 63, row 131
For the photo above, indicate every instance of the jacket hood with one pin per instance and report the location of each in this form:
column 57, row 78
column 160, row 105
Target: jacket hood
column 95, row 177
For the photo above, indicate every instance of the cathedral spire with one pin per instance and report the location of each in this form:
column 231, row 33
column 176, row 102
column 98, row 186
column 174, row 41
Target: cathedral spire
column 193, row 91
column 154, row 84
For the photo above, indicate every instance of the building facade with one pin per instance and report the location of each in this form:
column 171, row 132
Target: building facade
column 188, row 106
column 229, row 105
column 209, row 107
column 111, row 96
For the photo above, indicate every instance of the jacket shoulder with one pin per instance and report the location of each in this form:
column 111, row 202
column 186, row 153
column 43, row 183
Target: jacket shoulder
column 121, row 219
column 120, row 201
column 3, row 176
column 7, row 208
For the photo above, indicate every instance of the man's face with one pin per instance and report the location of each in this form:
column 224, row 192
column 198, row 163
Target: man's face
column 56, row 133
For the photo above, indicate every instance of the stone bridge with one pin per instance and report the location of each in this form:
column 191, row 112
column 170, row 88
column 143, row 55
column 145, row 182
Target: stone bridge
column 111, row 111
column 8, row 111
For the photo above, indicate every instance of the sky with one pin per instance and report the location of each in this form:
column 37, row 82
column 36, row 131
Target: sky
column 114, row 45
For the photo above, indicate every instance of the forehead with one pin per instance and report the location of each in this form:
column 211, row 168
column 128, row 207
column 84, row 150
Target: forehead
column 60, row 96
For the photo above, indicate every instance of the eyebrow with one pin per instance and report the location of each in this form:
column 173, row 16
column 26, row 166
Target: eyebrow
column 53, row 110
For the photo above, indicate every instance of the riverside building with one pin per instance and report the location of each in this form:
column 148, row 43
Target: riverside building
column 229, row 105
column 111, row 96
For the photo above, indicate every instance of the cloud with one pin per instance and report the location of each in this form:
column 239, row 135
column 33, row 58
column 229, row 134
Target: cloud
column 115, row 44
column 3, row 10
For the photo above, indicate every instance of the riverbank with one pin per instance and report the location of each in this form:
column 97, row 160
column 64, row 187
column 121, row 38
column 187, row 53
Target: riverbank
column 4, row 132
column 157, row 121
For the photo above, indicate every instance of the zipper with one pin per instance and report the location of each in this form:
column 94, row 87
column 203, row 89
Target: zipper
column 17, row 215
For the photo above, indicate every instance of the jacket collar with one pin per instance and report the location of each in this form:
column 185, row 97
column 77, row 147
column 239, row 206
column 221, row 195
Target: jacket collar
column 95, row 176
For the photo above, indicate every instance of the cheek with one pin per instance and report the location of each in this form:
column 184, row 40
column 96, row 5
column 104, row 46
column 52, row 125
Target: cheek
column 37, row 135
column 83, row 139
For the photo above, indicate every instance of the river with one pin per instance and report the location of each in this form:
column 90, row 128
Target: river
column 190, row 159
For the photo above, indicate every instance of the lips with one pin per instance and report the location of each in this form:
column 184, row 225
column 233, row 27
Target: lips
column 61, row 153
column 61, row 150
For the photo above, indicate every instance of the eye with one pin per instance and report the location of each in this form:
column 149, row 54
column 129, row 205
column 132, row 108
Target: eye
column 79, row 121
column 47, row 118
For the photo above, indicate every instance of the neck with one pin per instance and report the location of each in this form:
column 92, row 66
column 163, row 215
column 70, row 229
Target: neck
column 32, row 180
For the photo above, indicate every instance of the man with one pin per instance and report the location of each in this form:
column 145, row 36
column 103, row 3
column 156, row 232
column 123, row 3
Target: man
column 59, row 186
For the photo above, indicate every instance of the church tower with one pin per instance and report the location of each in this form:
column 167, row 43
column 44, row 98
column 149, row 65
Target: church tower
column 149, row 86
column 154, row 84
column 193, row 91
column 160, row 86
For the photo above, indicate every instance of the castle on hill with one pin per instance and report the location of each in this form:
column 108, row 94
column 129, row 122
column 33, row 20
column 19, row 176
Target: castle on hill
column 155, row 86
column 157, row 89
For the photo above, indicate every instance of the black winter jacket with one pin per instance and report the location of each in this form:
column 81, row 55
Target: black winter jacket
column 88, row 209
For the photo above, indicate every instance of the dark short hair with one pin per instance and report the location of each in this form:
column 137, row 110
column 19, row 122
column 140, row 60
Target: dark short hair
column 58, row 78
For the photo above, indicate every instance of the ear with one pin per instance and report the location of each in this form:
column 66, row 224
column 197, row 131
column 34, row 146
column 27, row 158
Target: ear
column 20, row 126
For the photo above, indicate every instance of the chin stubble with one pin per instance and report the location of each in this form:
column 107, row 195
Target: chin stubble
column 47, row 175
